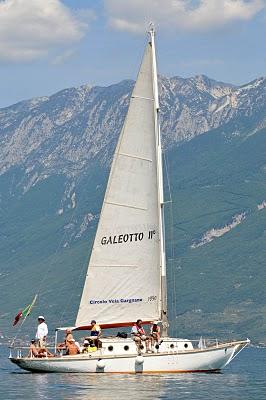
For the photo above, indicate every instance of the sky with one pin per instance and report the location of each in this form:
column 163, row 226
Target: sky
column 49, row 45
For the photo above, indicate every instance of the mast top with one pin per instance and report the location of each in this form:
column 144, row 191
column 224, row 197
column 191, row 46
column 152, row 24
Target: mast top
column 151, row 30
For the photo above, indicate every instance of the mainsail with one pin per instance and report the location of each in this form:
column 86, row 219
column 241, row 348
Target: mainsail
column 123, row 282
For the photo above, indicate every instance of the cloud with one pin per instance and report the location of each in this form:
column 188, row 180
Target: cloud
column 32, row 29
column 191, row 15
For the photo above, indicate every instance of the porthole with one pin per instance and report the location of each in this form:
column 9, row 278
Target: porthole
column 172, row 346
column 126, row 348
column 141, row 347
column 110, row 348
column 186, row 345
column 157, row 346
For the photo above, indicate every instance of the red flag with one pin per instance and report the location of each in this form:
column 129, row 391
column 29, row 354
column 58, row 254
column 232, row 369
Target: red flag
column 17, row 318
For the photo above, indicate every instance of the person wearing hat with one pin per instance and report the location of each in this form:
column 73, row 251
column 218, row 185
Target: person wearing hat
column 42, row 331
column 86, row 346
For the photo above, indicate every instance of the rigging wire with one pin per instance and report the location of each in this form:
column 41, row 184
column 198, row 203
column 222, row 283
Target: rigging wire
column 171, row 230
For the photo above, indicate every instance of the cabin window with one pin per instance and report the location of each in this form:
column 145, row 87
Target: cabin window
column 186, row 345
column 157, row 346
column 172, row 346
column 126, row 348
column 141, row 347
column 110, row 348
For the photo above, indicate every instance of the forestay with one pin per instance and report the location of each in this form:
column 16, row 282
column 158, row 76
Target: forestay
column 123, row 280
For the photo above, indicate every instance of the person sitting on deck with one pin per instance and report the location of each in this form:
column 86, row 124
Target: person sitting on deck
column 95, row 333
column 155, row 333
column 62, row 346
column 43, row 352
column 33, row 351
column 88, row 346
column 139, row 336
column 71, row 348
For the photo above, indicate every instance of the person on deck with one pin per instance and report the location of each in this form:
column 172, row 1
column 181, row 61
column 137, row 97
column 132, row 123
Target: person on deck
column 155, row 333
column 68, row 335
column 95, row 333
column 71, row 348
column 86, row 346
column 33, row 351
column 139, row 336
column 44, row 352
column 62, row 346
column 95, row 329
column 42, row 331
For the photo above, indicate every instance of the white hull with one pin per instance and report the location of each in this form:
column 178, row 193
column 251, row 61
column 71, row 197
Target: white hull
column 194, row 360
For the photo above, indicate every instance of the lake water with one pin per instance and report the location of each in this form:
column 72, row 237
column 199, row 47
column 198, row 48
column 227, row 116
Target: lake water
column 244, row 379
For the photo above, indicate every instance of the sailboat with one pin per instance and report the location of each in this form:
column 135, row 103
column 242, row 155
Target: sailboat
column 126, row 277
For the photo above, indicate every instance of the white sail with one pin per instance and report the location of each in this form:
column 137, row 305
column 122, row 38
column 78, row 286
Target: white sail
column 123, row 280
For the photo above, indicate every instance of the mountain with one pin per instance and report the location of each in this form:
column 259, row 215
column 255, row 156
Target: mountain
column 64, row 132
column 55, row 155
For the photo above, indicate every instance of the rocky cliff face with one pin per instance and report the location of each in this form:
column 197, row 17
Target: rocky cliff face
column 62, row 133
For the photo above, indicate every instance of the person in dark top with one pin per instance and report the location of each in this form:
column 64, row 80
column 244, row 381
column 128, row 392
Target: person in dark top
column 95, row 333
column 155, row 333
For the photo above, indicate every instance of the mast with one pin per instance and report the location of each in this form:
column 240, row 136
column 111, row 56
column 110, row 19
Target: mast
column 164, row 317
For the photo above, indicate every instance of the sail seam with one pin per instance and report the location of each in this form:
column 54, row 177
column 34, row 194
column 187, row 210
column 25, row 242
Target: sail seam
column 125, row 205
column 133, row 156
column 114, row 266
column 141, row 97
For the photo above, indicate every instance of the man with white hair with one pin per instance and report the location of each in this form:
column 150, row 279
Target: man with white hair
column 42, row 331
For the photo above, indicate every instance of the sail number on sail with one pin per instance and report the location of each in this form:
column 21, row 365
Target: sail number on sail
column 127, row 237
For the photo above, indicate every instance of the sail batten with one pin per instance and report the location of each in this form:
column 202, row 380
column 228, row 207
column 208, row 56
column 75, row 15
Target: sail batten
column 126, row 205
column 113, row 266
column 134, row 156
column 123, row 282
column 141, row 97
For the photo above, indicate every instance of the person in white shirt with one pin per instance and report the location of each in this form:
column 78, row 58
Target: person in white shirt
column 138, row 334
column 42, row 331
